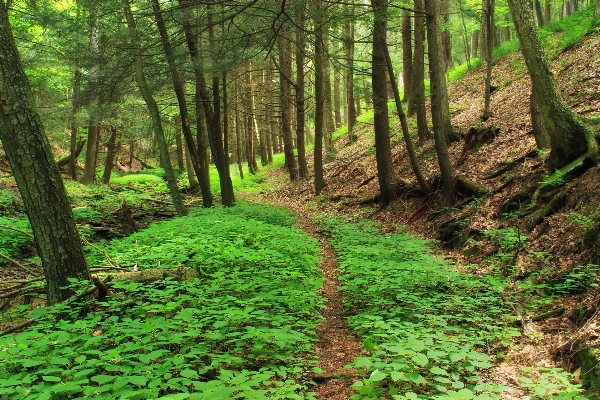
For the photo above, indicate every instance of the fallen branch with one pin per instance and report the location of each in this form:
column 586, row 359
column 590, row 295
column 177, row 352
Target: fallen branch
column 110, row 261
column 548, row 314
column 18, row 327
column 24, row 268
column 17, row 230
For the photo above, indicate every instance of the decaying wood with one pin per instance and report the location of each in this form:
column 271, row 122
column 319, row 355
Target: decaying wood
column 151, row 275
column 549, row 314
column 16, row 263
column 65, row 161
column 499, row 171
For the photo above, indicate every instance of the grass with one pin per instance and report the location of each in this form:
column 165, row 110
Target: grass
column 243, row 329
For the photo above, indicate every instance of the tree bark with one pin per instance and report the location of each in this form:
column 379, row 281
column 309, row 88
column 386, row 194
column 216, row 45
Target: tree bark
column 350, row 102
column 238, row 134
column 414, row 162
column 146, row 93
column 446, row 37
column 111, row 150
column 548, row 10
column 329, row 127
column 93, row 136
column 475, row 43
column 439, row 93
column 407, row 62
column 37, row 176
column 337, row 99
column 285, row 94
column 542, row 139
column 538, row 12
column 74, row 125
column 488, row 12
column 319, row 97
column 388, row 181
column 179, row 144
column 570, row 137
column 417, row 104
column 300, row 87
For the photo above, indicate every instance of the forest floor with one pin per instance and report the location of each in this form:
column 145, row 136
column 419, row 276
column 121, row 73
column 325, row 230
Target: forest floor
column 493, row 232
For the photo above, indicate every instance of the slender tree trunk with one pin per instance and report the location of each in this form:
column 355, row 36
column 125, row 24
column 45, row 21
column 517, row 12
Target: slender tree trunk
column 328, row 106
column 319, row 97
column 438, row 97
column 570, row 137
column 414, row 162
column 475, row 43
column 238, row 134
column 446, row 38
column 548, row 10
column 506, row 28
column 350, row 102
column 538, row 13
column 300, row 87
column 37, row 176
column 74, row 125
column 180, row 94
column 89, row 169
column 146, row 93
column 407, row 56
column 417, row 104
column 488, row 12
column 111, row 150
column 249, row 121
column 179, row 144
column 285, row 93
column 388, row 181
column 337, row 100
column 190, row 171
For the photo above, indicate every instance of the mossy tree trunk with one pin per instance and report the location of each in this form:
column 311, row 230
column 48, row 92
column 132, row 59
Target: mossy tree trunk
column 570, row 137
column 388, row 181
column 37, row 176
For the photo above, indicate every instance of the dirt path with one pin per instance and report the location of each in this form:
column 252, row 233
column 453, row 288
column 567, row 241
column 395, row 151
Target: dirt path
column 336, row 347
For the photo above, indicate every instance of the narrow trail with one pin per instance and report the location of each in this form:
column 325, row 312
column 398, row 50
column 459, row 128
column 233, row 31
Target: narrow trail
column 336, row 346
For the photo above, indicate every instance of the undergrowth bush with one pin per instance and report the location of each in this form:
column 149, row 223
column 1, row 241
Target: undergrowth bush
column 13, row 243
column 244, row 329
column 428, row 329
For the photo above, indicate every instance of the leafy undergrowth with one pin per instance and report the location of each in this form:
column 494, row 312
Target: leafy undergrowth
column 244, row 329
column 429, row 330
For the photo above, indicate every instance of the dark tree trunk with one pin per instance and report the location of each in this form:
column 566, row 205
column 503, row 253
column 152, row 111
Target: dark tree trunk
column 538, row 13
column 417, row 104
column 548, row 10
column 140, row 78
column 285, row 94
column 111, row 150
column 388, row 181
column 337, row 100
column 74, row 124
column 93, row 136
column 475, row 43
column 180, row 94
column 179, row 145
column 37, row 177
column 446, row 38
column 300, row 86
column 327, row 106
column 414, row 162
column 439, row 93
column 570, row 137
column 249, row 121
column 238, row 134
column 506, row 28
column 350, row 102
column 319, row 98
column 407, row 57
column 488, row 12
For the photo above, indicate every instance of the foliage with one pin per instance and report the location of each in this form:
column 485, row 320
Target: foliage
column 14, row 243
column 507, row 238
column 427, row 329
column 568, row 32
column 241, row 330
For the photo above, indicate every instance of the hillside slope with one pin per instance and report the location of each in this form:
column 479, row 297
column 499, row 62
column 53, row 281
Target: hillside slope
column 548, row 265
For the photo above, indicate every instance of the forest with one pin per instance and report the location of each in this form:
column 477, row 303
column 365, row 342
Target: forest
column 299, row 199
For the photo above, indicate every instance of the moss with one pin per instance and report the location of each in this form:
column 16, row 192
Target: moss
column 589, row 360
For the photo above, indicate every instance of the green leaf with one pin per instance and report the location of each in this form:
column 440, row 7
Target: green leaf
column 102, row 379
column 458, row 385
column 189, row 373
column 417, row 378
column 438, row 371
column 377, row 376
column 420, row 359
column 138, row 380
column 50, row 378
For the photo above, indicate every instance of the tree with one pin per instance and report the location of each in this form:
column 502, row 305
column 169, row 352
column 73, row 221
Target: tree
column 407, row 62
column 570, row 136
column 350, row 102
column 37, row 176
column 285, row 93
column 439, row 96
column 300, row 86
column 388, row 181
column 417, row 104
column 488, row 15
column 319, row 97
column 142, row 83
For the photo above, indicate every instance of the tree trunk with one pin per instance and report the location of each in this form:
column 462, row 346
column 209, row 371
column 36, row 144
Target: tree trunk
column 238, row 134
column 548, row 10
column 37, row 177
column 488, row 12
column 285, row 94
column 538, row 13
column 180, row 94
column 542, row 139
column 388, row 181
column 350, row 102
column 189, row 167
column 300, row 87
column 111, row 150
column 179, row 144
column 407, row 62
column 570, row 137
column 417, row 104
column 140, row 78
column 439, row 94
column 328, row 106
column 475, row 43
column 446, row 38
column 89, row 169
column 74, row 124
column 337, row 100
column 319, row 97
column 414, row 162
column 249, row 121
column 506, row 28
